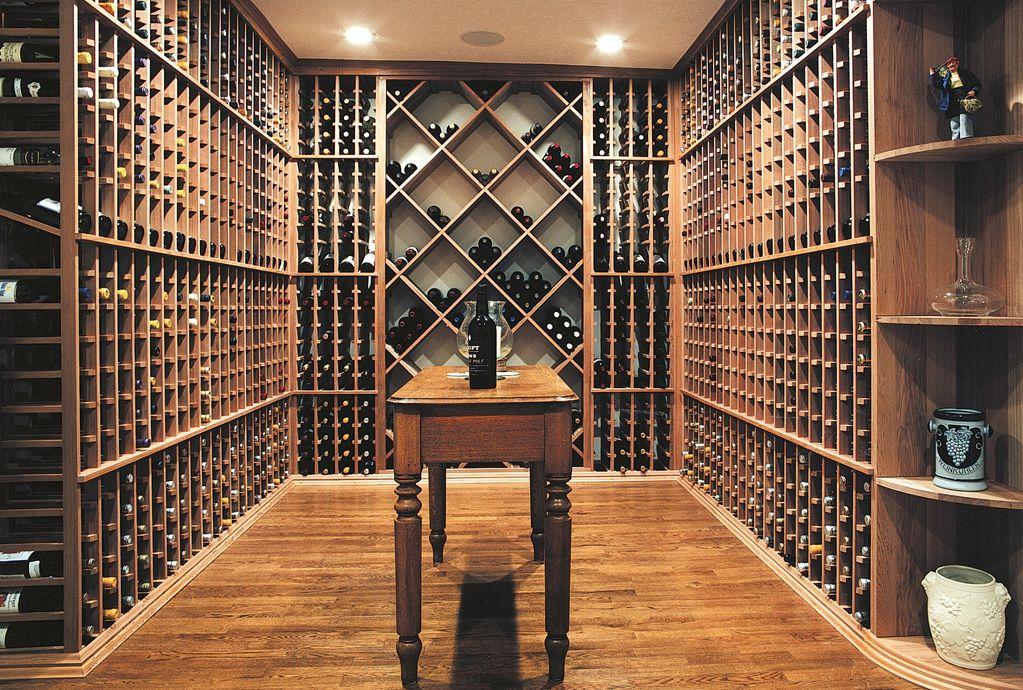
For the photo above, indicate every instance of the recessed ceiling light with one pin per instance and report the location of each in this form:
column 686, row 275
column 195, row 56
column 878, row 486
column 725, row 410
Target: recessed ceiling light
column 482, row 39
column 360, row 35
column 609, row 43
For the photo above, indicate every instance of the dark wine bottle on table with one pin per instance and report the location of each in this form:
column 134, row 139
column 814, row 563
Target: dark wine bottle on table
column 482, row 341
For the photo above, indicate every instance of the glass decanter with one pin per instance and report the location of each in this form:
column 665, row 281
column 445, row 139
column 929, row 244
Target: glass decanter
column 965, row 297
column 505, row 337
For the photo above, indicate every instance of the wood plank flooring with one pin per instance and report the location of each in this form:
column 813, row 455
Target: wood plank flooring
column 662, row 596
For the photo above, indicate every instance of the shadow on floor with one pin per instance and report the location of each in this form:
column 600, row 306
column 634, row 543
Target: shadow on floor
column 487, row 651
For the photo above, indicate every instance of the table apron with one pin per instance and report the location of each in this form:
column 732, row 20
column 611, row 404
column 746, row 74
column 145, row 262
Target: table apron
column 484, row 437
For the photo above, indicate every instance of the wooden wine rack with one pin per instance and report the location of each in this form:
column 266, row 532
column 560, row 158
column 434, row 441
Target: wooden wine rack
column 743, row 253
column 490, row 118
column 171, row 339
column 776, row 273
column 806, row 284
column 812, row 512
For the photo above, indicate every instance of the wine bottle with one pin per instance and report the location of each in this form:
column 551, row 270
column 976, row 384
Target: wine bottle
column 29, row 290
column 483, row 344
column 31, row 564
column 23, row 635
column 28, row 87
column 31, row 599
column 20, row 51
column 29, row 155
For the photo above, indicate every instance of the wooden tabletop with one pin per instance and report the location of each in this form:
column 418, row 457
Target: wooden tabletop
column 534, row 384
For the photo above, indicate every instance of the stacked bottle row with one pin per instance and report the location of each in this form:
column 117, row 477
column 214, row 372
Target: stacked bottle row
column 336, row 434
column 630, row 118
column 633, row 333
column 214, row 43
column 31, row 467
column 161, row 167
column 337, row 116
column 752, row 45
column 788, row 173
column 168, row 345
column 32, row 505
column 787, row 343
column 631, row 431
column 813, row 512
column 144, row 521
column 335, row 217
column 630, row 225
column 335, row 333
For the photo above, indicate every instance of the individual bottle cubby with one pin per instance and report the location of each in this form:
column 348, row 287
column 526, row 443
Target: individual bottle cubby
column 214, row 45
column 337, row 116
column 790, row 172
column 630, row 118
column 787, row 343
column 336, row 434
column 336, row 327
column 753, row 46
column 812, row 512
column 162, row 167
column 631, row 232
column 632, row 431
column 335, row 217
column 169, row 345
column 632, row 333
column 145, row 520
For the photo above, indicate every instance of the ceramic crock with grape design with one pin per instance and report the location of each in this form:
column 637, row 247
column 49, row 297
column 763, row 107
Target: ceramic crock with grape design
column 959, row 435
column 966, row 614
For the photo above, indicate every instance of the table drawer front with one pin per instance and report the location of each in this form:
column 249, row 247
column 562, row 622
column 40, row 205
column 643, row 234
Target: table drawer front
column 482, row 438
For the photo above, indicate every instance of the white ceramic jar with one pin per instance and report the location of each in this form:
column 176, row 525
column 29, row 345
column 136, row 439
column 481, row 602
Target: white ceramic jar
column 966, row 613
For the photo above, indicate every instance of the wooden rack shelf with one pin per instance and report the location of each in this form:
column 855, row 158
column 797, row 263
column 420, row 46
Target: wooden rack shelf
column 996, row 496
column 961, row 151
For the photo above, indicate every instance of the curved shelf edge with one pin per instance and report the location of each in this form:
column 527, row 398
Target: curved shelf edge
column 961, row 151
column 996, row 496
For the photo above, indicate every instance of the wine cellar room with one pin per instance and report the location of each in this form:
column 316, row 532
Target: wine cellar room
column 705, row 310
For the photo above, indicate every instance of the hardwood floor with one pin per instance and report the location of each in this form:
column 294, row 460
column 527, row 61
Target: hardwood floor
column 662, row 596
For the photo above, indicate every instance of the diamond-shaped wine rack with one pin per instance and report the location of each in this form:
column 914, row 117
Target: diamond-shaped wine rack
column 470, row 161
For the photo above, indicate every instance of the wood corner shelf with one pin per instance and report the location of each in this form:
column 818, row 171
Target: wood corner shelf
column 962, row 151
column 915, row 659
column 938, row 320
column 996, row 496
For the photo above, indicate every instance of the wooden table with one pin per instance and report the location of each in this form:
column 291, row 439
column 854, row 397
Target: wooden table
column 439, row 421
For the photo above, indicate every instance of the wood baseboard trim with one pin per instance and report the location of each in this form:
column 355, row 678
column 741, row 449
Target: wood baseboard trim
column 925, row 671
column 471, row 475
column 44, row 664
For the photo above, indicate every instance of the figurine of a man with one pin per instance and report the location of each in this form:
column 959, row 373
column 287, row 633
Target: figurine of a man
column 956, row 90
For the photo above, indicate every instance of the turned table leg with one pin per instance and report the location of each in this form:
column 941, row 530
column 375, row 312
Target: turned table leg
column 408, row 576
column 537, row 490
column 557, row 539
column 438, row 510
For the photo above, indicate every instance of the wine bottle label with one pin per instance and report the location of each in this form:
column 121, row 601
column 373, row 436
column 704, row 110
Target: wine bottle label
column 48, row 204
column 10, row 600
column 11, row 52
column 8, row 290
column 9, row 155
column 20, row 87
column 3, row 637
